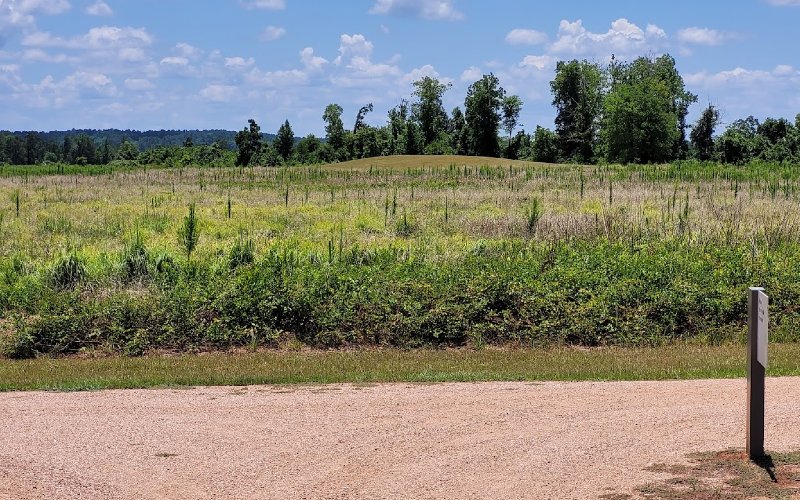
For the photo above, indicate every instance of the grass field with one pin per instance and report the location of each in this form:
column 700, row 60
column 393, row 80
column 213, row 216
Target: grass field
column 398, row 251
column 322, row 367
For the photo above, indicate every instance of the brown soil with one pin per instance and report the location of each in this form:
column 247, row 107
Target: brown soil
column 487, row 440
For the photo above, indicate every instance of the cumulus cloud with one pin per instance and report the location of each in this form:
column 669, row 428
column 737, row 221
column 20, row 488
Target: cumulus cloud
column 624, row 38
column 471, row 74
column 138, row 84
column 423, row 71
column 525, row 37
column 17, row 16
column 271, row 33
column 277, row 79
column 741, row 77
column 99, row 8
column 187, row 51
column 100, row 38
column 264, row 4
column 310, row 61
column 219, row 93
column 239, row 62
column 538, row 62
column 355, row 59
column 175, row 61
column 426, row 9
column 703, row 36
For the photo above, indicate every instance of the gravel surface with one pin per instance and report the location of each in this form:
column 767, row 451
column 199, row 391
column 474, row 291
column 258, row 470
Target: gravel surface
column 482, row 440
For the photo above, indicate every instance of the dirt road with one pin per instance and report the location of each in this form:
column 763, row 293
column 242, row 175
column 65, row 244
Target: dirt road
column 487, row 440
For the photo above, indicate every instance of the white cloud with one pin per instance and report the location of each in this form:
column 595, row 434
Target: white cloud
column 742, row 78
column 32, row 55
column 353, row 46
column 219, row 93
column 471, row 74
column 623, row 39
column 277, row 79
column 355, row 61
column 138, row 84
column 101, row 38
column 421, row 72
column 99, row 8
column 187, row 51
column 538, row 62
column 18, row 16
column 239, row 62
column 310, row 61
column 703, row 36
column 425, row 9
column 132, row 54
column 175, row 61
column 264, row 4
column 525, row 37
column 271, row 33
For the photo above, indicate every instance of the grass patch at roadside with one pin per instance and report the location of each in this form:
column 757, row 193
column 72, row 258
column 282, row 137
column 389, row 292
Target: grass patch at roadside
column 726, row 474
column 372, row 366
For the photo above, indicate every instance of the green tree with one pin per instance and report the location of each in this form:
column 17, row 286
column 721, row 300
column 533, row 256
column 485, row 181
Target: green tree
column 578, row 98
column 362, row 113
column 309, row 150
column 284, row 142
column 702, row 135
column 334, row 129
column 512, row 106
column 397, row 118
column 85, row 148
column 740, row 141
column 458, row 132
column 127, row 150
column 482, row 116
column 645, row 111
column 105, row 152
column 428, row 110
column 190, row 232
column 67, row 155
column 545, row 145
column 249, row 143
column 413, row 139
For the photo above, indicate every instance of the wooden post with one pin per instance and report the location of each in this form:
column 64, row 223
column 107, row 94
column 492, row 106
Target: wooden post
column 758, row 318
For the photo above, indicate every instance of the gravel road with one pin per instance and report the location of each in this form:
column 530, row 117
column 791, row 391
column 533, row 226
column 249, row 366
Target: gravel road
column 459, row 440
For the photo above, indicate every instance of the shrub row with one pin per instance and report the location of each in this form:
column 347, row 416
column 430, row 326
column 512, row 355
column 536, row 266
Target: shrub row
column 579, row 293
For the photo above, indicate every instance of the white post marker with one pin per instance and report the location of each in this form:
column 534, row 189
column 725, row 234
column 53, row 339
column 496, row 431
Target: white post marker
column 758, row 323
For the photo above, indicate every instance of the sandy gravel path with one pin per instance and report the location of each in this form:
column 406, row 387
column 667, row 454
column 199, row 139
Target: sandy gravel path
column 487, row 440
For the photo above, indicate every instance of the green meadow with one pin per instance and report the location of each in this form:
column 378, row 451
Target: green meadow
column 405, row 252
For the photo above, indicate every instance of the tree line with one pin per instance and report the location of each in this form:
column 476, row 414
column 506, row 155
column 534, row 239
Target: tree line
column 620, row 112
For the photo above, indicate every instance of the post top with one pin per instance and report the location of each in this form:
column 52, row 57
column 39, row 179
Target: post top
column 756, row 289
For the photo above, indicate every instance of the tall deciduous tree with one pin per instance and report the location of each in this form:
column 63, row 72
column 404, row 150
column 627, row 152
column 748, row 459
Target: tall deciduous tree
column 334, row 129
column 428, row 109
column 512, row 106
column 458, row 132
column 645, row 111
column 578, row 98
column 483, row 102
column 702, row 135
column 362, row 113
column 249, row 143
column 284, row 142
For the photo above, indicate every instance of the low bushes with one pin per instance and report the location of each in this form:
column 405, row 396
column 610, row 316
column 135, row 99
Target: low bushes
column 580, row 293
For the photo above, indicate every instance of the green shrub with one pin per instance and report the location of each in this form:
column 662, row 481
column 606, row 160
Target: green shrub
column 67, row 272
column 242, row 253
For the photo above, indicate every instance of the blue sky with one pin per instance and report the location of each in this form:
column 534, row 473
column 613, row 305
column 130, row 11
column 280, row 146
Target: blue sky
column 153, row 64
